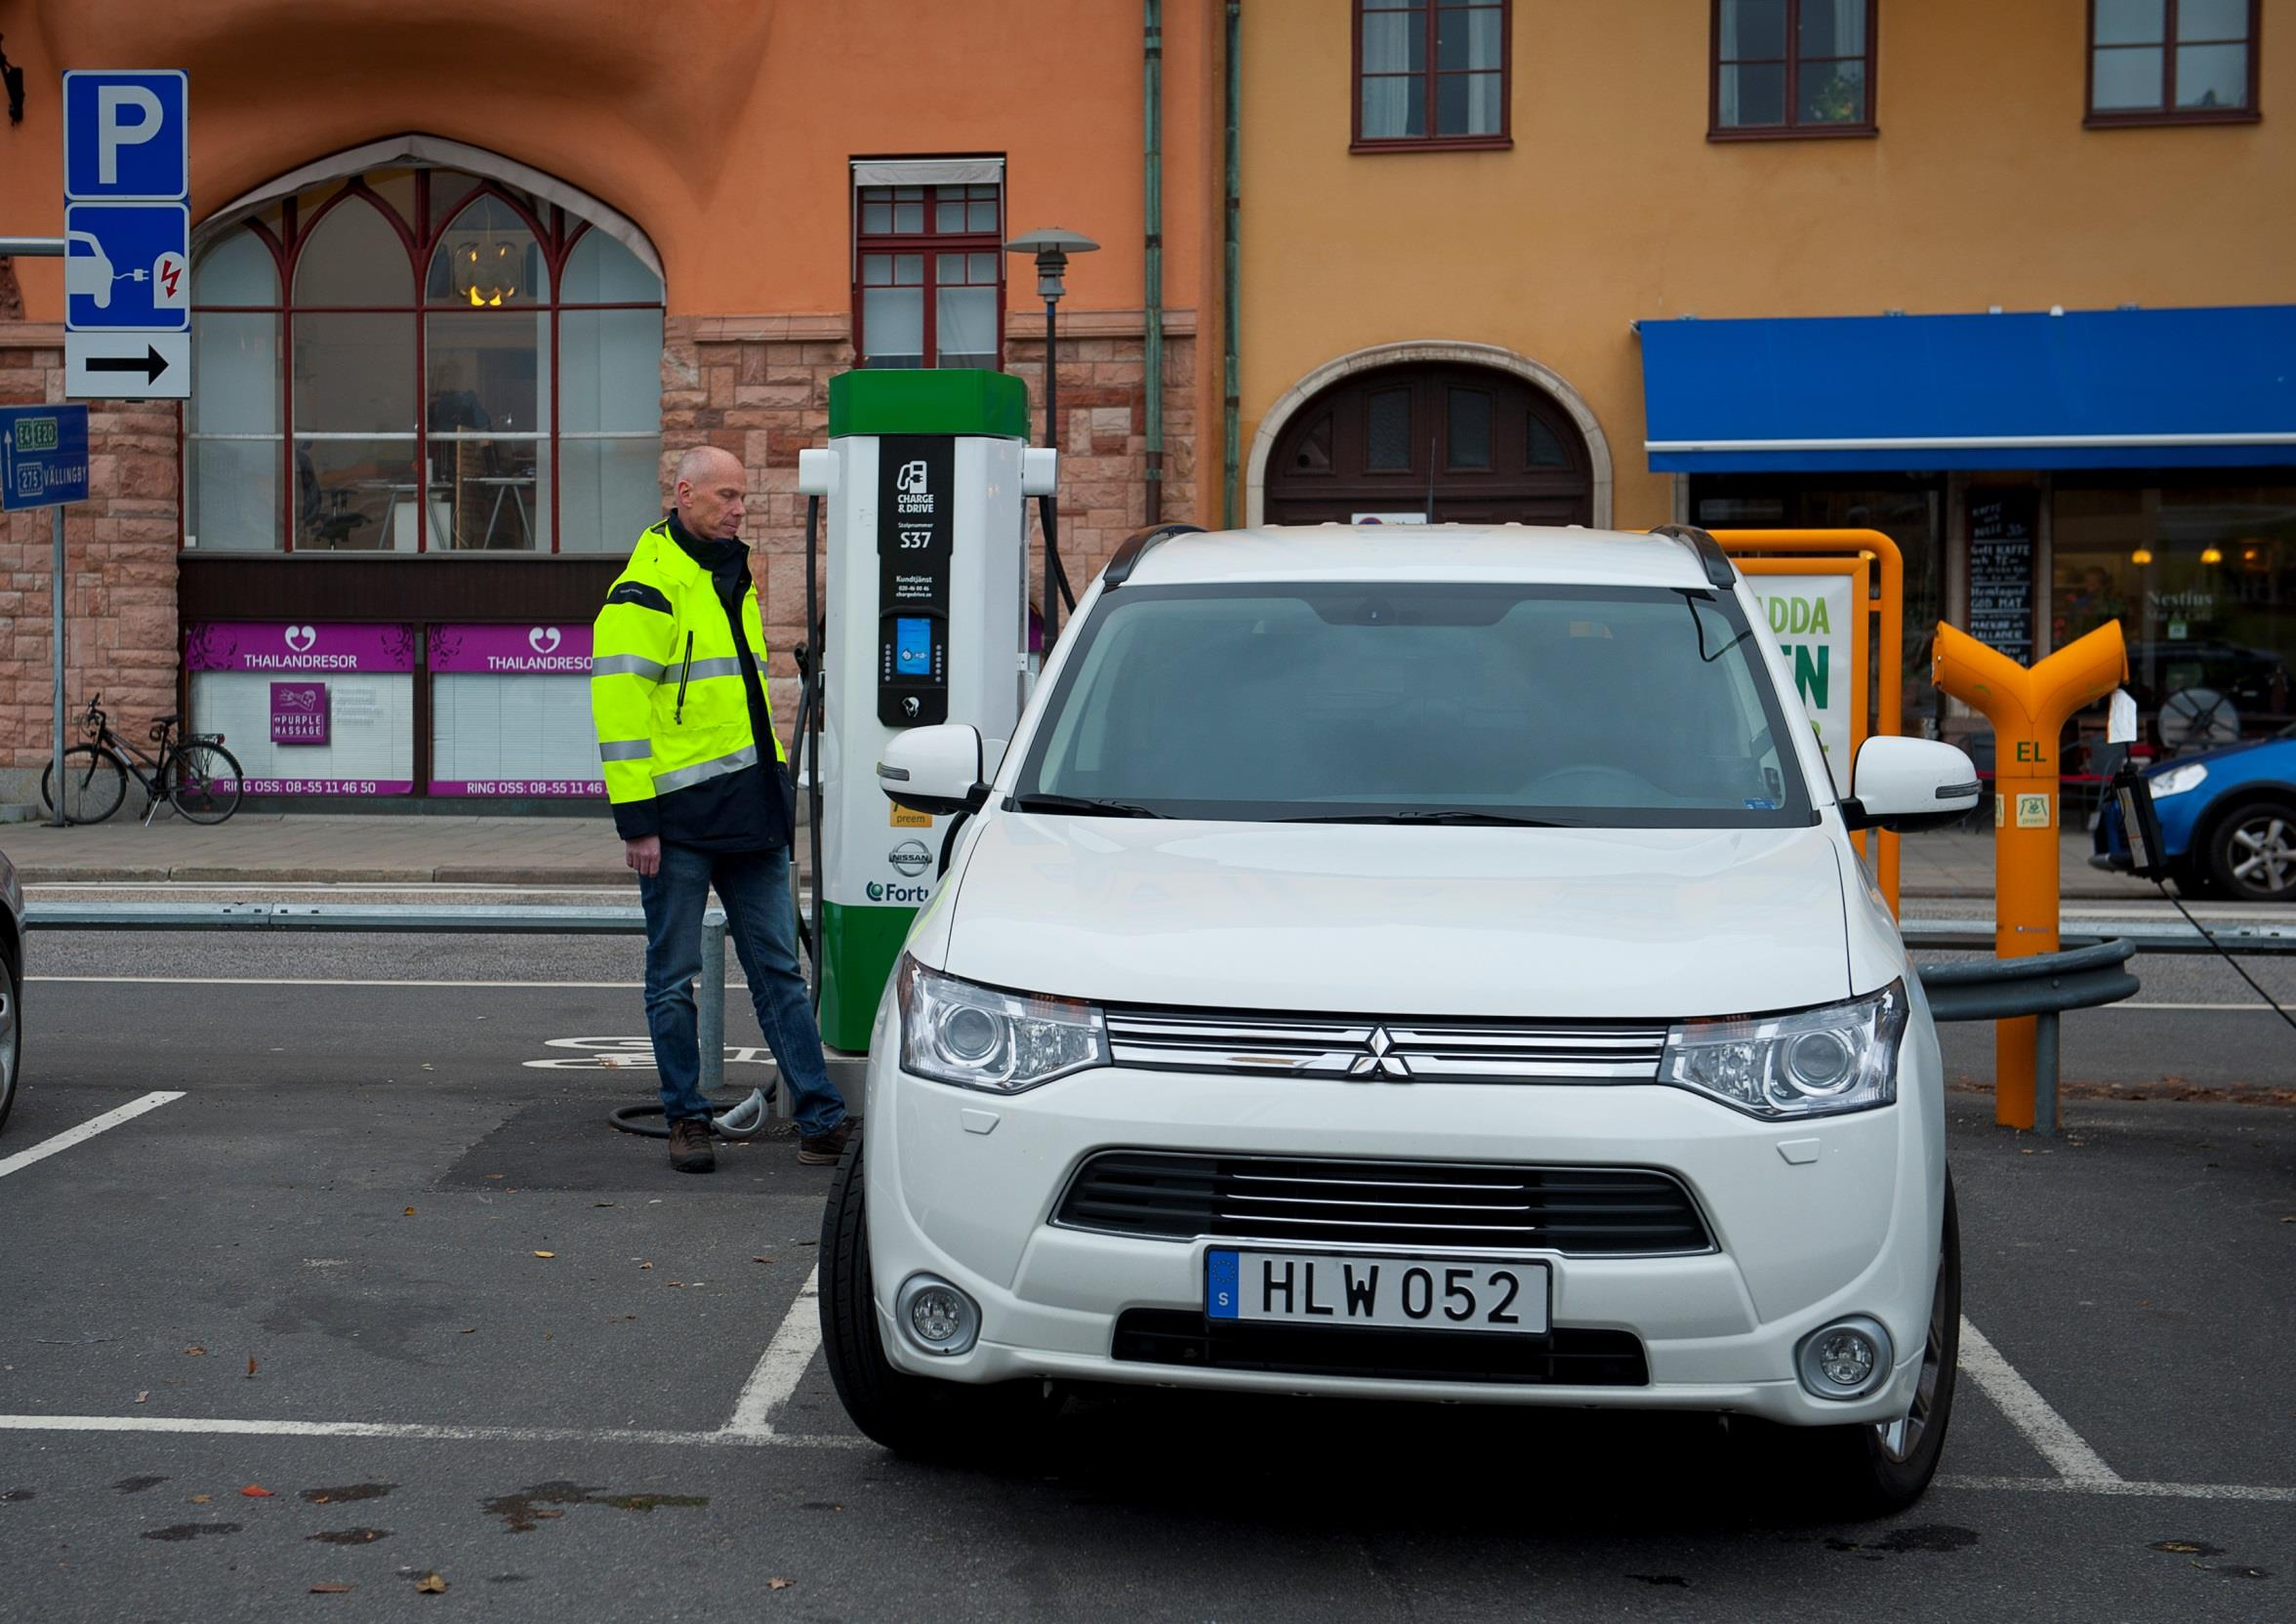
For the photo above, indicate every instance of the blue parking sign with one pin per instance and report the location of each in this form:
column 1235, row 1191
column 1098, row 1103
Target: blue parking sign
column 126, row 136
column 124, row 267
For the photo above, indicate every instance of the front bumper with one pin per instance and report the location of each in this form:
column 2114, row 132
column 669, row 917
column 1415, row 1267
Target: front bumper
column 1812, row 1220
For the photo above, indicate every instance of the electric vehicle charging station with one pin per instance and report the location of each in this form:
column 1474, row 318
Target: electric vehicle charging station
column 922, row 619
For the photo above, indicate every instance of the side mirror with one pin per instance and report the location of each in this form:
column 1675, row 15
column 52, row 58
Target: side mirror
column 934, row 769
column 1908, row 784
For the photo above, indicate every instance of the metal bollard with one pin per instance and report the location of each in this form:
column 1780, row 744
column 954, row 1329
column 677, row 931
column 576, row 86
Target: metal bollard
column 710, row 1014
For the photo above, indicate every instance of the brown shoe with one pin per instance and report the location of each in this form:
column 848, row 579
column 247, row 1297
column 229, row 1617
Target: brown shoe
column 826, row 1150
column 690, row 1147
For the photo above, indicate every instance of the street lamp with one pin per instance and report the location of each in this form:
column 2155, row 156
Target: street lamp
column 1052, row 248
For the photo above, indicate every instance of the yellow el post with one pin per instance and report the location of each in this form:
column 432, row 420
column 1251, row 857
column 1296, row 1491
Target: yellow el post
column 2028, row 708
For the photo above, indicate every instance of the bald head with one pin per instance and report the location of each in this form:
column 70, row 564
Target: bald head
column 709, row 493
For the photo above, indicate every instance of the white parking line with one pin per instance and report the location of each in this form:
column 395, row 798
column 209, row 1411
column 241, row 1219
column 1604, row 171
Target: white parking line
column 333, row 981
column 783, row 1366
column 2030, row 1413
column 2120, row 1487
column 415, row 1431
column 65, row 1140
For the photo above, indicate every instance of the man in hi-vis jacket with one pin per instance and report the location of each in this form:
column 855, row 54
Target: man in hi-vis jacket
column 678, row 693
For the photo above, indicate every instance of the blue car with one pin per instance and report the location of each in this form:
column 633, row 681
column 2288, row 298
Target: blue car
column 2228, row 821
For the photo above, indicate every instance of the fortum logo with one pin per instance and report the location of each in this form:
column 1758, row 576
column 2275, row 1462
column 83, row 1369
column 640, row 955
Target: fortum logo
column 897, row 893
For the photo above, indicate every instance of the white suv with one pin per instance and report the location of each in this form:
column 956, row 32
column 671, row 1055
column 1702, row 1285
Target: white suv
column 1421, row 964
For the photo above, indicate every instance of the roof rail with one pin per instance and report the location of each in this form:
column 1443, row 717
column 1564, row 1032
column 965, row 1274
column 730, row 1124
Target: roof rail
column 1135, row 547
column 1719, row 569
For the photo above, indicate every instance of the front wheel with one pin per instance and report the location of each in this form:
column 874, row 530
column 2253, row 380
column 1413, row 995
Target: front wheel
column 10, row 1028
column 203, row 783
column 911, row 1415
column 2252, row 853
column 94, row 784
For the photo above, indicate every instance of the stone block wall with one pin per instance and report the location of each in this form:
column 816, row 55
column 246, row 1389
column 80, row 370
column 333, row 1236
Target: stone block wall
column 759, row 386
column 120, row 548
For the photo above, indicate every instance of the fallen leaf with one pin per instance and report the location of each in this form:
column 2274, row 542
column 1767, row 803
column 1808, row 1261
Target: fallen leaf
column 760, row 1260
column 201, row 1499
column 605, row 1203
column 468, row 1331
column 251, row 1366
column 498, row 1175
column 2180, row 1546
column 549, row 1514
column 196, row 1350
column 645, row 1266
column 330, row 1590
column 256, row 1491
column 410, row 1212
column 145, row 1393
column 430, row 1584
column 545, row 1254
column 778, row 1584
column 676, row 1284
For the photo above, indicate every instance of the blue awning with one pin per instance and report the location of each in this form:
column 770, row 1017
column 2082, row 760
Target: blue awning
column 2210, row 387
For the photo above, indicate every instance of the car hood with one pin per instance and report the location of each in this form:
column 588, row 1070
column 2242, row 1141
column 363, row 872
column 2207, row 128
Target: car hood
column 1394, row 921
column 2283, row 753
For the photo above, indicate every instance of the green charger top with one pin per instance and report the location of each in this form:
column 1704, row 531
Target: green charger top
column 943, row 400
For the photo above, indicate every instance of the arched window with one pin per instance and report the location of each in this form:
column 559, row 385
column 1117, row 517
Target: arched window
column 421, row 360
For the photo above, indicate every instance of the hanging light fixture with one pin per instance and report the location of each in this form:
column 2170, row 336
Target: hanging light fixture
column 2212, row 555
column 2143, row 555
column 486, row 264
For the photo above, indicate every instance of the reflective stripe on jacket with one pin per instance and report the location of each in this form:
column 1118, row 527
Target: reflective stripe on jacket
column 669, row 704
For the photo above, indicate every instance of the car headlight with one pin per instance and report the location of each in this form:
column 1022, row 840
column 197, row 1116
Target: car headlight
column 2177, row 779
column 1001, row 1042
column 1814, row 1063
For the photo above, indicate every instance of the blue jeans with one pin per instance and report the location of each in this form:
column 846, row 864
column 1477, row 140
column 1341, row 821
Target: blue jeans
column 754, row 886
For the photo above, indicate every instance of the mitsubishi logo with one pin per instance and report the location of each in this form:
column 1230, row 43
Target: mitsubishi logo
column 1383, row 1061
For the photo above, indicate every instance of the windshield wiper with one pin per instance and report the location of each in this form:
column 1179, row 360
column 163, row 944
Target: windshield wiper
column 1089, row 805
column 1438, row 815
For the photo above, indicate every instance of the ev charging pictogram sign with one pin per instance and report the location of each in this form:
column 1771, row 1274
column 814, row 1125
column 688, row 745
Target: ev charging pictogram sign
column 127, row 229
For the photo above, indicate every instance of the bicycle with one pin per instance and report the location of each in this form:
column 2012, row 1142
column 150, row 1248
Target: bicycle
column 195, row 775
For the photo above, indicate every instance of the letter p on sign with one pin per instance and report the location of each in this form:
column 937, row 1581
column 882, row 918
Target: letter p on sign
column 124, row 136
column 126, row 116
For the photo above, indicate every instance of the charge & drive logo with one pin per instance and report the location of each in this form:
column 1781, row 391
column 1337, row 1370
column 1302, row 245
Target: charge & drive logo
column 909, row 484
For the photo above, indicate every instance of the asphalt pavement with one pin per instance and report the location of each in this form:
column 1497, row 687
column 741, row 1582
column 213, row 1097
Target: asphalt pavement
column 380, row 1257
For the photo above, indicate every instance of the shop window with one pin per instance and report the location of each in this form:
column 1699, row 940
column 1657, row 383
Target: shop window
column 421, row 360
column 2200, row 572
column 1431, row 73
column 930, row 277
column 2172, row 61
column 1793, row 67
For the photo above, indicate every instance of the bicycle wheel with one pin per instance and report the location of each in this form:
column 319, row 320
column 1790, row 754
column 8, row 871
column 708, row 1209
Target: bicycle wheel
column 203, row 781
column 93, row 785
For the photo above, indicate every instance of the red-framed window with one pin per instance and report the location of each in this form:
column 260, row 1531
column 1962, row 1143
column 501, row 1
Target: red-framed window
column 1791, row 68
column 419, row 360
column 1431, row 73
column 928, row 276
column 2172, row 61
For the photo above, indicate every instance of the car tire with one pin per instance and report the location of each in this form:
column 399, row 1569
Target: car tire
column 950, row 1422
column 2252, row 852
column 11, row 1030
column 1865, row 1471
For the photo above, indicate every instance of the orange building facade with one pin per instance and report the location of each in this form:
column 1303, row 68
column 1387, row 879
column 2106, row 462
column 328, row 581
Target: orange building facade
column 463, row 292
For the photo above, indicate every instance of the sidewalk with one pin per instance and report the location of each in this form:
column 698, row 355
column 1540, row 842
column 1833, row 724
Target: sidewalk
column 306, row 849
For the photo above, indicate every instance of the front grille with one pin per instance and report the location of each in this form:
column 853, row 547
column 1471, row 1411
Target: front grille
column 1565, row 1357
column 1370, row 1051
column 1582, row 1210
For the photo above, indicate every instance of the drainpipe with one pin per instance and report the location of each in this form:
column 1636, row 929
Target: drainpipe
column 1233, row 402
column 1152, row 230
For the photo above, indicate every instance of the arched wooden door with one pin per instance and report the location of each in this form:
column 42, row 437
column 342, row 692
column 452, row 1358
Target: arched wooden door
column 1453, row 443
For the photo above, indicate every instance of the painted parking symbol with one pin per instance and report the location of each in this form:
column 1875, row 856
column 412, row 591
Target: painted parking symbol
column 618, row 1054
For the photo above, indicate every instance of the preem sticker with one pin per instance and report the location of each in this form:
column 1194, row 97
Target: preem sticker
column 2032, row 811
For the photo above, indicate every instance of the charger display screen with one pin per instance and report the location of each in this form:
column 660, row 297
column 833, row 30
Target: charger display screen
column 913, row 646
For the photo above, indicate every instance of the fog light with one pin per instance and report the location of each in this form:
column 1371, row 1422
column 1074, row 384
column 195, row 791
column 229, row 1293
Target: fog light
column 936, row 1316
column 1846, row 1359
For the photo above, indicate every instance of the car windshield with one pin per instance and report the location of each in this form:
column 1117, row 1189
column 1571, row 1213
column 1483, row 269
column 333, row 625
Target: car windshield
column 1614, row 707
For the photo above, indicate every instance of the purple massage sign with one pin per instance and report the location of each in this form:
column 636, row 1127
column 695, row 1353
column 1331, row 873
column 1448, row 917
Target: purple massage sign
column 531, row 650
column 294, row 648
column 299, row 713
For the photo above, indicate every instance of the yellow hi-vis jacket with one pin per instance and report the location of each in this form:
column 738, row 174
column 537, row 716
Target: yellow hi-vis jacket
column 677, row 728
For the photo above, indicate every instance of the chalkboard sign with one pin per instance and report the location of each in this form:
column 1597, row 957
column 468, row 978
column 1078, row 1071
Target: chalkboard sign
column 2001, row 526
